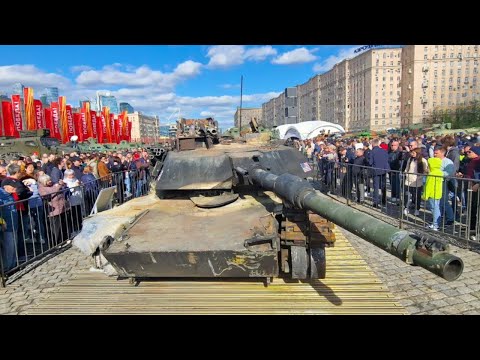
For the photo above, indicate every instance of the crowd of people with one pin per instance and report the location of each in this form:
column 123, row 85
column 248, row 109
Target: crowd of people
column 43, row 199
column 440, row 171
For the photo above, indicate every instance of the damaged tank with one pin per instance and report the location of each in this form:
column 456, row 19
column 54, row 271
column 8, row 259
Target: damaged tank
column 245, row 210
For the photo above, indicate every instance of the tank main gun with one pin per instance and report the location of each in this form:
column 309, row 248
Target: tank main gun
column 431, row 254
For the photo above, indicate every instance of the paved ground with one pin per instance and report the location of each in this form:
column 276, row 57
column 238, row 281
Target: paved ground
column 418, row 290
column 37, row 284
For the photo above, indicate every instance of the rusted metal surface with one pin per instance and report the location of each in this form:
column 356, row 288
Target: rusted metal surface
column 162, row 243
column 350, row 287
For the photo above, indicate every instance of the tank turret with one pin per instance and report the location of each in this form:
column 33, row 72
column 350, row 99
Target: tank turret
column 249, row 210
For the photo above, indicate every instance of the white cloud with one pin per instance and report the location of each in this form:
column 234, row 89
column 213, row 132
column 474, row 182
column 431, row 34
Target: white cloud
column 114, row 75
column 79, row 68
column 224, row 56
column 31, row 76
column 207, row 113
column 260, row 53
column 329, row 62
column 230, row 86
column 297, row 56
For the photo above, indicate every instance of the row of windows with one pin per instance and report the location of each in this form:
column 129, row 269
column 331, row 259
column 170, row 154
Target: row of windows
column 390, row 115
column 451, row 47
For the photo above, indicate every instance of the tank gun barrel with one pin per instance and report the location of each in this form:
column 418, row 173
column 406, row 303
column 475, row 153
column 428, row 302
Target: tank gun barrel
column 429, row 253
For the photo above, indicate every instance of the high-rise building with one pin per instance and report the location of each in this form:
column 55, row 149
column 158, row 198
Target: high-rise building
column 375, row 90
column 144, row 128
column 247, row 115
column 437, row 77
column 126, row 107
column 51, row 95
column 43, row 99
column 17, row 89
column 109, row 101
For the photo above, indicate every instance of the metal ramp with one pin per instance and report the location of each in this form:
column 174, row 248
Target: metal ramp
column 351, row 287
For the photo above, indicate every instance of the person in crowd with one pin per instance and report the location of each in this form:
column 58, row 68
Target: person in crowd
column 415, row 170
column 448, row 170
column 358, row 173
column 75, row 199
column 56, row 173
column 394, row 161
column 8, row 226
column 379, row 162
column 3, row 172
column 55, row 205
column 91, row 188
column 77, row 167
column 433, row 190
column 473, row 174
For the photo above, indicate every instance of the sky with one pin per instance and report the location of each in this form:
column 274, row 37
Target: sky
column 190, row 81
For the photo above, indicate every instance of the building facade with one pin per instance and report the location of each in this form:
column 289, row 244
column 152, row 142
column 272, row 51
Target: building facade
column 247, row 115
column 279, row 110
column 144, row 128
column 362, row 93
column 51, row 95
column 437, row 77
column 375, row 90
column 17, row 89
column 308, row 100
column 107, row 100
column 268, row 113
column 126, row 107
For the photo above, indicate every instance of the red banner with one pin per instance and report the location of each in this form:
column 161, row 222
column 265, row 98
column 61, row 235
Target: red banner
column 83, row 124
column 106, row 114
column 77, row 121
column 8, row 119
column 88, row 119
column 70, row 124
column 17, row 112
column 129, row 131
column 93, row 116
column 102, row 129
column 56, row 120
column 120, row 128
column 125, row 126
column 62, row 105
column 113, row 137
column 29, row 108
column 39, row 118
column 48, row 120
column 116, row 131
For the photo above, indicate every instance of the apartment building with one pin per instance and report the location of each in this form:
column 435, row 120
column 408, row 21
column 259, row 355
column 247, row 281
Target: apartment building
column 268, row 113
column 437, row 77
column 308, row 95
column 375, row 90
column 279, row 110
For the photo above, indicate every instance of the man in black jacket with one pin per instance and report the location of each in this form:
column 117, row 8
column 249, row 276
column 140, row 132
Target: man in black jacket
column 379, row 162
column 358, row 173
column 394, row 160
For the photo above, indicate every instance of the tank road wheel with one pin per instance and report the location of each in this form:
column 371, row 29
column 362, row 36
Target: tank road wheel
column 300, row 261
column 318, row 263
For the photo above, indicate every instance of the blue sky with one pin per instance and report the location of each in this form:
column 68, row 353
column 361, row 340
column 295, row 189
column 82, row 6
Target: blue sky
column 160, row 79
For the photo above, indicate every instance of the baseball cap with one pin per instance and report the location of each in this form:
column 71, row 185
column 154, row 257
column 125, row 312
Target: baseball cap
column 475, row 149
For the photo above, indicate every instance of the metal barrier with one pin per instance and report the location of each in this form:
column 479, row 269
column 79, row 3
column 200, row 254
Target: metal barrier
column 398, row 195
column 40, row 225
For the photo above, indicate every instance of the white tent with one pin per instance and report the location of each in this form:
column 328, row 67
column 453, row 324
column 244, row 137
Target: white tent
column 310, row 129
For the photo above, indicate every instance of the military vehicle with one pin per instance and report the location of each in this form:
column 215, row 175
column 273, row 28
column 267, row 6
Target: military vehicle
column 31, row 141
column 245, row 210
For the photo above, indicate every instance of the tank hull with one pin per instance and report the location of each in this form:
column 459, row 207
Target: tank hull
column 177, row 239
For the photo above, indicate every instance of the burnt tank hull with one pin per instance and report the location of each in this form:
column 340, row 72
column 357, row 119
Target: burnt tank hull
column 178, row 239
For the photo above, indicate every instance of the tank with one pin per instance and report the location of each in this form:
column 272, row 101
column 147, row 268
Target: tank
column 31, row 141
column 249, row 210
